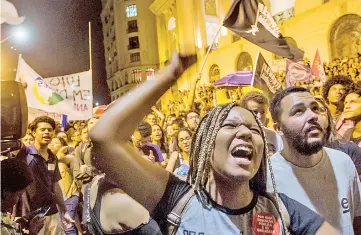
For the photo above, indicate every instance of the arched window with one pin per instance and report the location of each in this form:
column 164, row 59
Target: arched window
column 345, row 36
column 214, row 73
column 137, row 75
column 149, row 73
column 244, row 62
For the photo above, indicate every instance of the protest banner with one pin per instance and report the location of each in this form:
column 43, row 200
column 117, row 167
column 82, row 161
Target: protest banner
column 77, row 88
column 297, row 72
column 264, row 79
column 38, row 94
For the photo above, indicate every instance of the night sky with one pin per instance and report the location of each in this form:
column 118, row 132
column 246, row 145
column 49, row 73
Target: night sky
column 58, row 41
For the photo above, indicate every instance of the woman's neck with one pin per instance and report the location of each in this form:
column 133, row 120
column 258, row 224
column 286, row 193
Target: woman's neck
column 335, row 110
column 185, row 156
column 232, row 196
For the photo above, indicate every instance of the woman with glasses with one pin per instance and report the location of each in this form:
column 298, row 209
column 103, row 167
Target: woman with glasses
column 179, row 160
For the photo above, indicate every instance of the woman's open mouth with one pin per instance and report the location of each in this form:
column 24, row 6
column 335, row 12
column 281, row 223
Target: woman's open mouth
column 242, row 151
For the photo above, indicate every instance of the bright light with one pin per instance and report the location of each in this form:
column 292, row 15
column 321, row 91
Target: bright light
column 20, row 34
column 97, row 104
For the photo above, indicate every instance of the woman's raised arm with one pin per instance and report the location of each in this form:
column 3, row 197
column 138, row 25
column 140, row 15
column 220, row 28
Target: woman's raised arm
column 122, row 164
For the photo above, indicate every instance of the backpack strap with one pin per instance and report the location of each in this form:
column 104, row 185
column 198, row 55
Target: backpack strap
column 174, row 218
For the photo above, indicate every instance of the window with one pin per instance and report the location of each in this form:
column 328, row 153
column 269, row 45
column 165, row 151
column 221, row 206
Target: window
column 132, row 26
column 345, row 36
column 135, row 57
column 131, row 10
column 133, row 43
column 137, row 75
column 214, row 73
column 244, row 62
column 149, row 73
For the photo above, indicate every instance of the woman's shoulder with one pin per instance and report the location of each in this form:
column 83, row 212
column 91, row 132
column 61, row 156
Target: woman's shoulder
column 175, row 190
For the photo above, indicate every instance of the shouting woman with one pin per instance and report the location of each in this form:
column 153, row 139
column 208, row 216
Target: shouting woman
column 226, row 180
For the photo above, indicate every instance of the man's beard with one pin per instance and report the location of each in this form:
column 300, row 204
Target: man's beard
column 298, row 141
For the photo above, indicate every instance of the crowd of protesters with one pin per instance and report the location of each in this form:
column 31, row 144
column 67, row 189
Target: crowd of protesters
column 94, row 182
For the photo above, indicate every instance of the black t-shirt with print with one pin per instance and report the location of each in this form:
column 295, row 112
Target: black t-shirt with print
column 198, row 219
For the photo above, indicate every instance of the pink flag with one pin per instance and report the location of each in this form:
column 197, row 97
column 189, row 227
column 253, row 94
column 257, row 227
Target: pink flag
column 317, row 68
column 297, row 72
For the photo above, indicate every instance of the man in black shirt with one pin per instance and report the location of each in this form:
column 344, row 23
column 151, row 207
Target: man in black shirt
column 45, row 191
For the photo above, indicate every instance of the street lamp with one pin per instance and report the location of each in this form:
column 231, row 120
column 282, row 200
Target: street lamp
column 19, row 33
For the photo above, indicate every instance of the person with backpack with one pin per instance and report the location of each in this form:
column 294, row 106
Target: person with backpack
column 225, row 192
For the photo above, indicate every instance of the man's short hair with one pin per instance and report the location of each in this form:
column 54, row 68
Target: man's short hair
column 40, row 119
column 191, row 111
column 339, row 79
column 275, row 106
column 145, row 129
column 254, row 96
column 354, row 88
column 179, row 122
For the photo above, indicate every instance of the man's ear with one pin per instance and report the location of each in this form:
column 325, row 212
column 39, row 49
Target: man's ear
column 277, row 128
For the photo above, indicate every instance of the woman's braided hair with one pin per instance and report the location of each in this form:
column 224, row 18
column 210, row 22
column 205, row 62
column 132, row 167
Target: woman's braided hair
column 203, row 143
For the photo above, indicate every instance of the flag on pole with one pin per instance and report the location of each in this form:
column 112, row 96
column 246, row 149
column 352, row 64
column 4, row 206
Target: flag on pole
column 38, row 94
column 317, row 68
column 297, row 72
column 264, row 79
column 251, row 20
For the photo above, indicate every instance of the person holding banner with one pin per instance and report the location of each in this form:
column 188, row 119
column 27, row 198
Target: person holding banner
column 227, row 172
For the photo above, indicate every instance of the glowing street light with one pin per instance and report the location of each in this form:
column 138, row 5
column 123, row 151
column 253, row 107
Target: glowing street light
column 19, row 33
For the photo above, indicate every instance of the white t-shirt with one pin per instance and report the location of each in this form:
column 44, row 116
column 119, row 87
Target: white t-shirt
column 331, row 188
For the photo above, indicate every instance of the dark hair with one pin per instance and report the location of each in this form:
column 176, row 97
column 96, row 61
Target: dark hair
column 192, row 111
column 179, row 122
column 331, row 132
column 254, row 96
column 339, row 79
column 163, row 145
column 40, row 119
column 15, row 176
column 176, row 142
column 145, row 129
column 172, row 115
column 275, row 105
column 62, row 141
column 354, row 88
column 70, row 133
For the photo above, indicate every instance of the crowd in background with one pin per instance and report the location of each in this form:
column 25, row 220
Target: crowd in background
column 165, row 139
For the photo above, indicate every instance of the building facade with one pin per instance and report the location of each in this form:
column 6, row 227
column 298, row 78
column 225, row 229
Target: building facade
column 130, row 44
column 331, row 26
